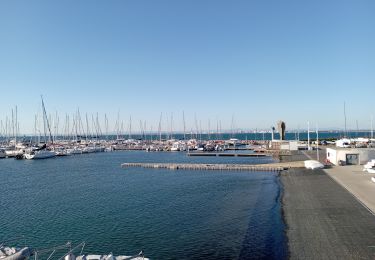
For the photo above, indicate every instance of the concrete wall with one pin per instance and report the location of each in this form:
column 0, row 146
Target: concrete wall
column 366, row 155
column 331, row 156
column 335, row 155
column 285, row 145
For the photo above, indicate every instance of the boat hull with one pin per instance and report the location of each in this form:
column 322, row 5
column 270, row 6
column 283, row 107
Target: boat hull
column 40, row 155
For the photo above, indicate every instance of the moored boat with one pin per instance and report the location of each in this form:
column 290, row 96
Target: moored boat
column 39, row 154
column 106, row 257
column 2, row 153
column 14, row 253
column 71, row 256
column 12, row 153
column 74, row 150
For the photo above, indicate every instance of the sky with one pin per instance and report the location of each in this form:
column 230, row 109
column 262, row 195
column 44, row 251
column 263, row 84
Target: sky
column 243, row 61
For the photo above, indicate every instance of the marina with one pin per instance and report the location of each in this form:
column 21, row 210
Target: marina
column 184, row 130
column 148, row 164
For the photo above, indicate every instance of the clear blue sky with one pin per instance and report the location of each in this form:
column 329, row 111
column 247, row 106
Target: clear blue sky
column 257, row 60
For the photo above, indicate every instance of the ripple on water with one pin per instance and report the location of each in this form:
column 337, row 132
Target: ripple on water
column 168, row 214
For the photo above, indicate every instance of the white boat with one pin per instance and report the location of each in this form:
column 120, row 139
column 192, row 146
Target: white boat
column 369, row 166
column 70, row 256
column 41, row 154
column 14, row 253
column 313, row 164
column 60, row 151
column 88, row 149
column 12, row 153
column 200, row 148
column 93, row 149
column 175, row 147
column 75, row 150
column 106, row 257
column 2, row 153
column 234, row 142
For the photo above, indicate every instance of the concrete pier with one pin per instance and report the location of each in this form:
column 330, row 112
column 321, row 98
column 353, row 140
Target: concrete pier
column 324, row 220
column 228, row 154
column 223, row 167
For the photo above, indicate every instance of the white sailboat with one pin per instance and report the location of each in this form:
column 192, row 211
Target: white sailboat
column 12, row 152
column 42, row 152
column 71, row 256
column 39, row 154
column 105, row 257
column 74, row 150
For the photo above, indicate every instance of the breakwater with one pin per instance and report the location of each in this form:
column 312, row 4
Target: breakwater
column 224, row 167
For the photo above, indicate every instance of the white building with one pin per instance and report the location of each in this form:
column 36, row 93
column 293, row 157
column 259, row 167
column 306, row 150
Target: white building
column 291, row 145
column 350, row 156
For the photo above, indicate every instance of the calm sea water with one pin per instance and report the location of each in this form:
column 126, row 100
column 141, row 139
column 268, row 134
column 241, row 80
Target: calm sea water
column 167, row 214
column 265, row 136
column 240, row 136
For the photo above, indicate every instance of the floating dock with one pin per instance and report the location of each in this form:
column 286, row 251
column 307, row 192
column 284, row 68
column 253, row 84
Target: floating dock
column 228, row 154
column 239, row 148
column 221, row 167
column 273, row 151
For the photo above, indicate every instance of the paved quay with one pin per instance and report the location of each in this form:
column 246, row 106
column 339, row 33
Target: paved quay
column 356, row 182
column 324, row 220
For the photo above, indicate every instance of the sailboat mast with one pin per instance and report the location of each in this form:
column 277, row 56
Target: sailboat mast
column 317, row 143
column 356, row 121
column 217, row 129
column 159, row 130
column 87, row 127
column 183, row 119
column 232, row 126
column 141, row 129
column 118, row 124
column 106, row 125
column 130, row 128
column 13, row 123
column 15, row 137
column 346, row 134
column 196, row 126
column 145, row 130
column 209, row 129
column 171, row 134
column 46, row 120
column 308, row 135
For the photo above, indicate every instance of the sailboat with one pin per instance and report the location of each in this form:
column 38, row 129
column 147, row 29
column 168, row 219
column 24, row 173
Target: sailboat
column 38, row 153
column 41, row 152
column 70, row 255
